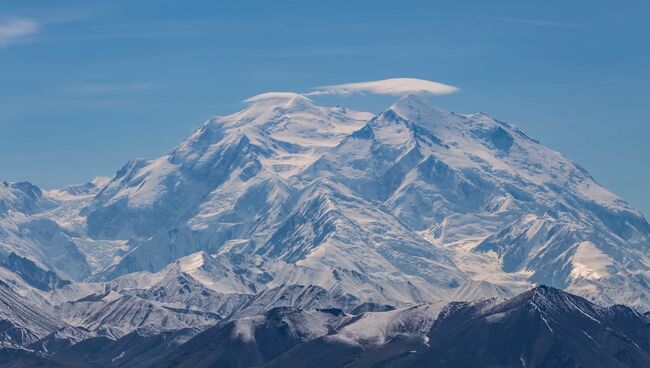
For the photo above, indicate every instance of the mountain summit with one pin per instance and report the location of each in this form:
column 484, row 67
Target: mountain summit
column 327, row 206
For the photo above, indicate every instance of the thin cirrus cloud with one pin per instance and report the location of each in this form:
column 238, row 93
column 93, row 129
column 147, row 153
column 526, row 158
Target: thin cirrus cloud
column 13, row 30
column 392, row 86
column 536, row 22
column 112, row 88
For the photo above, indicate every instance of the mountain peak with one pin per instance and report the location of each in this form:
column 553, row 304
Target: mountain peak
column 193, row 261
column 542, row 292
column 416, row 107
column 286, row 120
column 414, row 98
column 550, row 299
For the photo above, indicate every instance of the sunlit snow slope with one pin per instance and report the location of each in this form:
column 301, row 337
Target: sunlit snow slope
column 287, row 203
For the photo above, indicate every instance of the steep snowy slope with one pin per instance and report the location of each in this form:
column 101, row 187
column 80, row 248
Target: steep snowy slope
column 378, row 328
column 122, row 314
column 43, row 237
column 479, row 290
column 228, row 181
column 21, row 322
column 222, row 191
column 368, row 246
column 24, row 234
column 456, row 178
column 287, row 203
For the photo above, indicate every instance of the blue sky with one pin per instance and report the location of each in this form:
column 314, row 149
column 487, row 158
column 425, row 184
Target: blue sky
column 87, row 85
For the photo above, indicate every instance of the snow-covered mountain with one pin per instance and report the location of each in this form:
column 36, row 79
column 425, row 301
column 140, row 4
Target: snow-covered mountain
column 416, row 199
column 22, row 323
column 27, row 234
column 543, row 327
column 290, row 204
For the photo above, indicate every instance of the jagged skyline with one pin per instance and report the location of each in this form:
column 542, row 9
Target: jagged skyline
column 81, row 74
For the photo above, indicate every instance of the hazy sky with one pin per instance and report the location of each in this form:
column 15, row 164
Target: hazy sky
column 85, row 86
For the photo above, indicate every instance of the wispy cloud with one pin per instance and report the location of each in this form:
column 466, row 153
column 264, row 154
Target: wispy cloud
column 393, row 86
column 15, row 29
column 111, row 88
column 536, row 22
column 131, row 30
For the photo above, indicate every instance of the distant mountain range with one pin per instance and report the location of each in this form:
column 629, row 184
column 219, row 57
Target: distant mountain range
column 326, row 218
column 543, row 327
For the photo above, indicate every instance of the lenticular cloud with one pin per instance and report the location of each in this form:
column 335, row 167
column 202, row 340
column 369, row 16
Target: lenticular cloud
column 393, row 86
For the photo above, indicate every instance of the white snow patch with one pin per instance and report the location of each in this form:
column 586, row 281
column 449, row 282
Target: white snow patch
column 118, row 357
column 589, row 262
column 192, row 262
column 493, row 318
column 244, row 329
